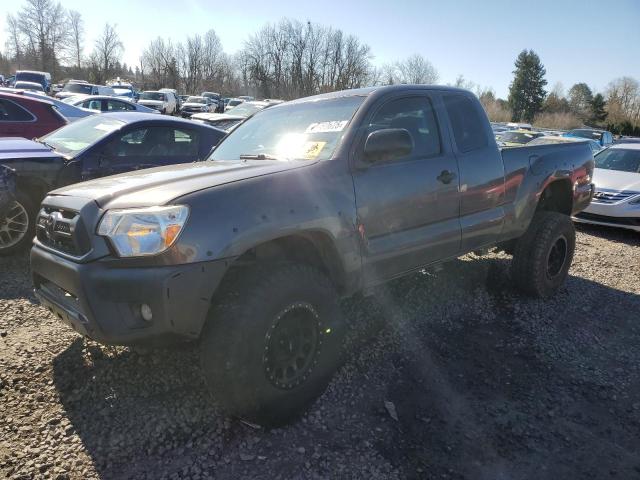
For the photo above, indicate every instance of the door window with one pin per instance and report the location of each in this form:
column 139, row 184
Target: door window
column 467, row 125
column 12, row 112
column 156, row 142
column 92, row 105
column 414, row 114
column 116, row 106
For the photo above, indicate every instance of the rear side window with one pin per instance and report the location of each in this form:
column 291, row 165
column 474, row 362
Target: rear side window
column 414, row 114
column 12, row 112
column 466, row 122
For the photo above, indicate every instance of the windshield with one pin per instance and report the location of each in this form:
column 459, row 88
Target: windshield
column 619, row 159
column 518, row 137
column 233, row 103
column 304, row 131
column 77, row 88
column 244, row 110
column 77, row 136
column 196, row 100
column 592, row 134
column 152, row 96
column 123, row 90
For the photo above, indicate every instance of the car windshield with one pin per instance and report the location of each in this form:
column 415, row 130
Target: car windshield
column 518, row 137
column 585, row 133
column 196, row 100
column 233, row 103
column 298, row 131
column 245, row 110
column 152, row 96
column 82, row 88
column 77, row 136
column 623, row 160
column 123, row 90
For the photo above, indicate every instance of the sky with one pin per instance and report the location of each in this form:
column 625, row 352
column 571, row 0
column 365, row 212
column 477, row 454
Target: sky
column 577, row 40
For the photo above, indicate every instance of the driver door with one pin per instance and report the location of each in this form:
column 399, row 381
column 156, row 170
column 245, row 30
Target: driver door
column 408, row 208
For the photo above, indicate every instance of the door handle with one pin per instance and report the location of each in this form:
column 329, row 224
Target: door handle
column 446, row 177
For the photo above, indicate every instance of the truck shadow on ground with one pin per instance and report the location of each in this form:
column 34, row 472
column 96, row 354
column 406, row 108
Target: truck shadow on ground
column 486, row 384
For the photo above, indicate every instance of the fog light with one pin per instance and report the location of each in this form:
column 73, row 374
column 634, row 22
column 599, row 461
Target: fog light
column 145, row 311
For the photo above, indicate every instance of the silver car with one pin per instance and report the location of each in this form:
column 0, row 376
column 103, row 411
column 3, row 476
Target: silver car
column 616, row 202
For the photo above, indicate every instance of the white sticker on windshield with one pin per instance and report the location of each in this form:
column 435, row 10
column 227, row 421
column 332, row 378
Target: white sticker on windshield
column 105, row 127
column 326, row 127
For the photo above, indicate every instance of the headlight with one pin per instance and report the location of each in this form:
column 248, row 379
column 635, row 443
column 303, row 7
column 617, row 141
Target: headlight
column 137, row 232
column 635, row 201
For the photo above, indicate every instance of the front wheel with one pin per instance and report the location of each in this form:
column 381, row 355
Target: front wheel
column 16, row 225
column 272, row 343
column 543, row 255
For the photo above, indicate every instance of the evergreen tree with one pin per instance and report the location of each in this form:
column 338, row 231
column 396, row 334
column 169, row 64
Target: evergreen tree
column 598, row 112
column 526, row 92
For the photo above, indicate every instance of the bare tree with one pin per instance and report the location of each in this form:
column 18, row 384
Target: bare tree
column 623, row 100
column 415, row 69
column 42, row 25
column 292, row 59
column 76, row 26
column 14, row 41
column 106, row 53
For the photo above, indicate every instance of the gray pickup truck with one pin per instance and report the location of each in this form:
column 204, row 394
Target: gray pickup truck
column 249, row 251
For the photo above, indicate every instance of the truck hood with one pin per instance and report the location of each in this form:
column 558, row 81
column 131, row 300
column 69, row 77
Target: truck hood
column 616, row 180
column 12, row 148
column 158, row 186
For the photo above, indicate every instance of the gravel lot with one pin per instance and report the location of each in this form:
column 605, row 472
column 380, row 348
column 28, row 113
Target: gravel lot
column 486, row 384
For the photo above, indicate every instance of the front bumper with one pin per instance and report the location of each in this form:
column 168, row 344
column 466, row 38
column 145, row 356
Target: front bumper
column 621, row 215
column 102, row 299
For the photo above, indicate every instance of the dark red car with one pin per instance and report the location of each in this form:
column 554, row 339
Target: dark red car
column 27, row 117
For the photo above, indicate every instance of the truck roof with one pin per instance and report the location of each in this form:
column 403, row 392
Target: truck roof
column 367, row 91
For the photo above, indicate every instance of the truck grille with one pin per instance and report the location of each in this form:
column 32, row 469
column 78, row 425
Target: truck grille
column 611, row 196
column 62, row 230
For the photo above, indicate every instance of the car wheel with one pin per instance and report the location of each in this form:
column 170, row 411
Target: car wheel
column 17, row 225
column 272, row 342
column 543, row 255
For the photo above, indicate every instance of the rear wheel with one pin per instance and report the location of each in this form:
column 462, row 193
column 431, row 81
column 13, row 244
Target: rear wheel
column 272, row 343
column 543, row 255
column 16, row 225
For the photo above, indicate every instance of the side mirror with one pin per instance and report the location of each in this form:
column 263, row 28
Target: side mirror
column 387, row 144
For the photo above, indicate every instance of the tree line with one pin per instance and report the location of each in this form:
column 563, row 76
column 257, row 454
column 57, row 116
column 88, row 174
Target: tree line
column 291, row 59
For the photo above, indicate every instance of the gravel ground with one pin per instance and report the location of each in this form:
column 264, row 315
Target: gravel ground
column 485, row 384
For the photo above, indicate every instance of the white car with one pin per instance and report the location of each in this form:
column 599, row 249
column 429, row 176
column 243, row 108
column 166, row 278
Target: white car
column 105, row 103
column 29, row 86
column 76, row 88
column 164, row 102
column 616, row 202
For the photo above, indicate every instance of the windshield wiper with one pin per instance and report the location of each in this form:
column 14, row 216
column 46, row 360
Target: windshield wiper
column 259, row 156
column 44, row 143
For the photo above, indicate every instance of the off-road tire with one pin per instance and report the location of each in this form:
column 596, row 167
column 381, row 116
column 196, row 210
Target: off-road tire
column 543, row 255
column 26, row 240
column 237, row 343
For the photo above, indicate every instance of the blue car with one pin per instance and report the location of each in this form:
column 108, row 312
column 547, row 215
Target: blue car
column 603, row 137
column 93, row 147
